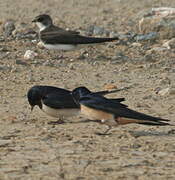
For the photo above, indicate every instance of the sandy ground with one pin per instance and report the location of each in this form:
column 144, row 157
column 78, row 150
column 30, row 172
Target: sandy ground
column 32, row 149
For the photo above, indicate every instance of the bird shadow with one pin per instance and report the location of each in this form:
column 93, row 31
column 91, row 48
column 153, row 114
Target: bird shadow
column 71, row 122
column 154, row 133
column 132, row 133
column 137, row 134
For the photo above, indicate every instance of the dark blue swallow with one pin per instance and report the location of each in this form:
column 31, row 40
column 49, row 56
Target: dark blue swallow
column 110, row 111
column 58, row 102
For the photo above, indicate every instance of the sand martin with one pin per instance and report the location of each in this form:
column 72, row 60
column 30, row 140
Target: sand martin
column 53, row 37
column 58, row 102
column 111, row 113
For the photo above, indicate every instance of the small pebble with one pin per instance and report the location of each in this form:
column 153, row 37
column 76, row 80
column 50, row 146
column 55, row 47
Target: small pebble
column 169, row 44
column 97, row 30
column 110, row 86
column 9, row 27
column 30, row 54
column 18, row 61
column 164, row 92
column 136, row 44
column 148, row 36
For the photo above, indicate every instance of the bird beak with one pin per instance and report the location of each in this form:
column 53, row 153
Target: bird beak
column 33, row 21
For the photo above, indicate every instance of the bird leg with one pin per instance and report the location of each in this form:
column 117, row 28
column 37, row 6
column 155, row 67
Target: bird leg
column 107, row 130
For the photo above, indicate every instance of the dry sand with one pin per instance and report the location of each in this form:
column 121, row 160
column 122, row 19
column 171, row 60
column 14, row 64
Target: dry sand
column 32, row 149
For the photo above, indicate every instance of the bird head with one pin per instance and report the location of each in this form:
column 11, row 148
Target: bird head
column 34, row 97
column 43, row 21
column 79, row 92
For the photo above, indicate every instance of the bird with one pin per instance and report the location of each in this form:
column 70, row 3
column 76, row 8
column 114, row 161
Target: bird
column 54, row 37
column 58, row 102
column 111, row 112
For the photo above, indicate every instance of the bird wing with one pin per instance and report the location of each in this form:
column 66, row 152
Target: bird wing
column 59, row 101
column 103, row 93
column 118, row 109
column 60, row 36
column 118, row 100
column 51, row 89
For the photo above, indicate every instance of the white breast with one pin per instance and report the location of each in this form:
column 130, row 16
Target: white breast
column 60, row 113
column 66, row 47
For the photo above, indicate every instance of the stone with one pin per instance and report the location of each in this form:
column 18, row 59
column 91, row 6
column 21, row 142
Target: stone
column 165, row 81
column 96, row 30
column 25, row 34
column 20, row 62
column 110, row 87
column 8, row 28
column 164, row 92
column 146, row 37
column 4, row 68
column 40, row 45
column 160, row 20
column 157, row 49
column 172, row 91
column 48, row 63
column 30, row 55
column 4, row 143
column 136, row 44
column 170, row 44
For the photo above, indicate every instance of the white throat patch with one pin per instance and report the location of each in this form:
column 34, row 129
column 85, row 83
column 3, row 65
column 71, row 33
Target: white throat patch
column 40, row 26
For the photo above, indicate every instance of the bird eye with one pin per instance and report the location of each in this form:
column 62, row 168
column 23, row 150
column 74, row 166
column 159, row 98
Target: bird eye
column 40, row 19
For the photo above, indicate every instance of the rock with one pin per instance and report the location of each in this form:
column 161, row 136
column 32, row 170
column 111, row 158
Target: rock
column 163, row 11
column 2, row 39
column 71, row 66
column 20, row 62
column 4, row 143
column 110, row 87
column 156, row 49
column 25, row 34
column 157, row 90
column 160, row 20
column 147, row 97
column 119, row 58
column 164, row 92
column 172, row 131
column 113, row 34
column 4, row 54
column 169, row 44
column 48, row 63
column 172, row 70
column 4, row 68
column 3, row 48
column 30, row 54
column 8, row 28
column 96, row 31
column 172, row 91
column 165, row 81
column 148, row 36
column 40, row 45
column 83, row 55
column 127, row 36
column 136, row 44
